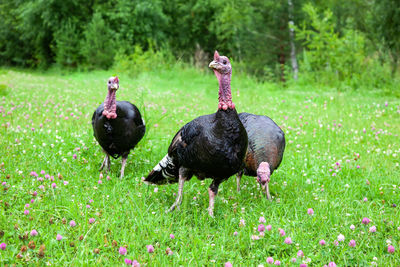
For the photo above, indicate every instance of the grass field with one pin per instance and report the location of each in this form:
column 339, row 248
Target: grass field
column 341, row 160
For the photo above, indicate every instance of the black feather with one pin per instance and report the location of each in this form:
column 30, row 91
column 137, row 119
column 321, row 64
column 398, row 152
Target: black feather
column 266, row 142
column 210, row 146
column 118, row 136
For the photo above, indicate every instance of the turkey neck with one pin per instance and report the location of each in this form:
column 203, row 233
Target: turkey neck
column 110, row 105
column 224, row 94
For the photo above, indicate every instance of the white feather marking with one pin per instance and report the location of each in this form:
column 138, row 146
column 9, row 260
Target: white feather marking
column 162, row 163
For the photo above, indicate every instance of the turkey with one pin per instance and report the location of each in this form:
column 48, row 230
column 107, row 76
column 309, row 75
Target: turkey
column 265, row 149
column 117, row 126
column 210, row 146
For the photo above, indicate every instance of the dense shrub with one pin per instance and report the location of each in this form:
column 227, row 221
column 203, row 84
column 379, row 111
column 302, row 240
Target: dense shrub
column 99, row 43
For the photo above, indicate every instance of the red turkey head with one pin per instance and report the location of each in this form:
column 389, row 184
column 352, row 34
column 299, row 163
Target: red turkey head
column 113, row 83
column 220, row 64
column 263, row 173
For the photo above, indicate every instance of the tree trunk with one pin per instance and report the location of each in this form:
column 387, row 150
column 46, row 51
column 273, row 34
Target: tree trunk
column 293, row 58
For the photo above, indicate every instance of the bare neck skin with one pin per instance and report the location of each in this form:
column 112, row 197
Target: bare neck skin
column 224, row 94
column 110, row 105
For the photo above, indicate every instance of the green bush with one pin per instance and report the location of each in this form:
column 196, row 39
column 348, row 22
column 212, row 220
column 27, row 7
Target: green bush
column 67, row 45
column 337, row 61
column 98, row 46
column 144, row 61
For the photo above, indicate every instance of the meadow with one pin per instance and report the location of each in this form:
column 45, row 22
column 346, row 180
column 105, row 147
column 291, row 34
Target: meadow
column 336, row 195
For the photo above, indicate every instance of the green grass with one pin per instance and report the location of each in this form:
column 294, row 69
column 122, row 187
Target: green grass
column 133, row 213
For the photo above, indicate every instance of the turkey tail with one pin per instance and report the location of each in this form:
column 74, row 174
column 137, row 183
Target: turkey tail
column 165, row 172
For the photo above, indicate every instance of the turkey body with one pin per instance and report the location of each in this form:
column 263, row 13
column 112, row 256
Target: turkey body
column 210, row 146
column 266, row 143
column 120, row 135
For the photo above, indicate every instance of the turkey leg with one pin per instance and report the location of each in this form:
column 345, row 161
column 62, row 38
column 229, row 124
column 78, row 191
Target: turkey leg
column 178, row 200
column 238, row 177
column 212, row 192
column 106, row 163
column 123, row 163
column 267, row 191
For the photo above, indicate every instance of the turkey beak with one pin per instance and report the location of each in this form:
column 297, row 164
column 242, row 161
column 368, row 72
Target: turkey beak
column 214, row 65
column 114, row 86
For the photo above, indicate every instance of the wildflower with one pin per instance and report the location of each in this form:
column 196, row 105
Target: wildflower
column 128, row 261
column 366, row 221
column 372, row 229
column 262, row 220
column 310, row 211
column 235, row 233
column 155, row 189
column 74, row 156
column 122, row 250
column 270, row 260
column 99, row 181
column 255, row 237
column 322, row 242
column 352, row 243
column 108, row 178
column 277, row 263
column 72, row 223
column 88, row 206
column 340, row 238
column 242, row 223
column 66, row 182
column 135, row 263
column 390, row 249
column 300, row 253
column 34, row 232
column 59, row 237
column 352, row 227
column 34, row 193
column 303, row 265
column 268, row 227
column 331, row 264
column 365, row 199
column 33, row 174
column 91, row 220
column 169, row 251
column 26, row 212
column 261, row 228
column 336, row 243
column 3, row 246
column 32, row 200
column 282, row 232
column 171, row 236
column 294, row 260
column 228, row 264
column 288, row 240
column 150, row 248
column 53, row 185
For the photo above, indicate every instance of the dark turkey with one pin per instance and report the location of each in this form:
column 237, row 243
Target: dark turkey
column 211, row 146
column 117, row 126
column 265, row 149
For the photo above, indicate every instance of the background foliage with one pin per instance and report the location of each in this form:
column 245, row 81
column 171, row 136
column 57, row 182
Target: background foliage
column 339, row 43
